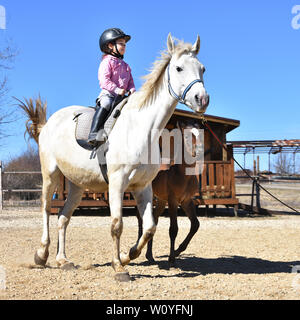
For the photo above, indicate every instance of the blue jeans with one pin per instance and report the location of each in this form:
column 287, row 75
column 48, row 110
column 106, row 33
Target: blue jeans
column 106, row 101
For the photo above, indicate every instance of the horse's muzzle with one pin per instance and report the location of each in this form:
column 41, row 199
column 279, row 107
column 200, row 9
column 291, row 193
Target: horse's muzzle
column 202, row 103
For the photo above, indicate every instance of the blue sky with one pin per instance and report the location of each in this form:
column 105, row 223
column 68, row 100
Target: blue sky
column 249, row 48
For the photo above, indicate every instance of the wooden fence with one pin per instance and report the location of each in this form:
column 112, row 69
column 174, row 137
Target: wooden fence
column 5, row 190
column 216, row 187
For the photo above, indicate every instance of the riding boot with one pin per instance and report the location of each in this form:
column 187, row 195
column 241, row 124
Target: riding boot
column 98, row 121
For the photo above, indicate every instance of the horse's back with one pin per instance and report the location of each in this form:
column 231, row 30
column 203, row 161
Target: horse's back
column 62, row 121
column 59, row 149
column 66, row 113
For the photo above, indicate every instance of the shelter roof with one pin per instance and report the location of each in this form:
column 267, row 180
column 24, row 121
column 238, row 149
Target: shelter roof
column 228, row 123
column 266, row 146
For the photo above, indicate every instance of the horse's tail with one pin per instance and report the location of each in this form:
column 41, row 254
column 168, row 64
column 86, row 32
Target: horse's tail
column 36, row 112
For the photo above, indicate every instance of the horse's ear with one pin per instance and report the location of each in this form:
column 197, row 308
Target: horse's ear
column 170, row 44
column 196, row 46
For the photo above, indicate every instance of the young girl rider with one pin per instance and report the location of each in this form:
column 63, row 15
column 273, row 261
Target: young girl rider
column 114, row 77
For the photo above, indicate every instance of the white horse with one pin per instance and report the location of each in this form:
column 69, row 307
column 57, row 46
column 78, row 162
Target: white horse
column 176, row 76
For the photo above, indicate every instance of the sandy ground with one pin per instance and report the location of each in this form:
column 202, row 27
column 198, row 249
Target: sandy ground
column 229, row 258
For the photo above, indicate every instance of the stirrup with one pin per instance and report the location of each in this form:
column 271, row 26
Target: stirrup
column 92, row 142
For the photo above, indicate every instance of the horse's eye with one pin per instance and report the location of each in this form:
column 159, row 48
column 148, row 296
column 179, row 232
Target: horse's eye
column 179, row 69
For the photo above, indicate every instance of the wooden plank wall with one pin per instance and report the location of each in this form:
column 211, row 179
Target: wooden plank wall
column 215, row 181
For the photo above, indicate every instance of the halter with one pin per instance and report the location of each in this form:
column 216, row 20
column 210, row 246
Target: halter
column 180, row 99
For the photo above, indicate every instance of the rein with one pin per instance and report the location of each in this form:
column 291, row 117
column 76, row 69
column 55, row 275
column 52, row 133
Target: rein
column 181, row 98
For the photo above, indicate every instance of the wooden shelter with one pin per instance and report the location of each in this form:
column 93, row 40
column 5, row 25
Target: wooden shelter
column 216, row 183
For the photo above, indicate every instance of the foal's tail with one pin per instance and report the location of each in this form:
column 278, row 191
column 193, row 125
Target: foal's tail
column 36, row 112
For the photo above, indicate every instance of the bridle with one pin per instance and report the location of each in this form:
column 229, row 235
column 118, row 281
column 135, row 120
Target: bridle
column 181, row 98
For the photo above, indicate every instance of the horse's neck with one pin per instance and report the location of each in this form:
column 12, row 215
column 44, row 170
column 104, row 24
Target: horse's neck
column 157, row 114
column 164, row 107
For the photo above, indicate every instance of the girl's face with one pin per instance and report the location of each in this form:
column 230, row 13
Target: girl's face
column 121, row 45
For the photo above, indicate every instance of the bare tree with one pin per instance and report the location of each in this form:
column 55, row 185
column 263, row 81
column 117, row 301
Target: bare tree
column 283, row 164
column 7, row 56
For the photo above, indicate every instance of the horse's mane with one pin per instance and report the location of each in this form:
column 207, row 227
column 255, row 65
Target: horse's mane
column 150, row 89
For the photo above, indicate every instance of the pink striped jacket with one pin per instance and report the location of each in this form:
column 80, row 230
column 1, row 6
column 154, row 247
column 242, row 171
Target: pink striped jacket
column 114, row 74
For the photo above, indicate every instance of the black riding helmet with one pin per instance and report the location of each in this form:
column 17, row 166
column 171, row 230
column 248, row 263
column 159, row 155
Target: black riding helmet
column 111, row 35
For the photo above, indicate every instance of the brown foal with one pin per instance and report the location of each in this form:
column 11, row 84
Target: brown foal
column 175, row 188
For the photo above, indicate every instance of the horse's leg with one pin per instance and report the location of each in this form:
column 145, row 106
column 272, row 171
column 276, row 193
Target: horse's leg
column 190, row 210
column 144, row 200
column 73, row 200
column 50, row 181
column 159, row 209
column 173, row 230
column 116, row 192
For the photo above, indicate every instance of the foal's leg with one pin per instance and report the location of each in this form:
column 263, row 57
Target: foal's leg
column 190, row 210
column 173, row 230
column 50, row 181
column 73, row 200
column 140, row 224
column 159, row 209
column 144, row 200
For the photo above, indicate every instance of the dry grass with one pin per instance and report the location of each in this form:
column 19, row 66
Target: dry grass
column 288, row 193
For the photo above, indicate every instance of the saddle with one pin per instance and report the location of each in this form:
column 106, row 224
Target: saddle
column 83, row 126
column 84, row 122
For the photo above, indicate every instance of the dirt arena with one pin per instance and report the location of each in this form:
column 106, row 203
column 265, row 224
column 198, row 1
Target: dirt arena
column 248, row 257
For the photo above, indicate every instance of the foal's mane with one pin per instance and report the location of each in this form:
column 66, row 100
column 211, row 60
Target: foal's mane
column 152, row 85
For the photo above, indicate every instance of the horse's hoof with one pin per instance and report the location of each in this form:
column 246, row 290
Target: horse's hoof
column 172, row 264
column 177, row 253
column 151, row 260
column 122, row 277
column 124, row 259
column 39, row 261
column 68, row 266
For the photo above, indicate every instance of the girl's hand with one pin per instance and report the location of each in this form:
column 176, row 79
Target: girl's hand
column 122, row 92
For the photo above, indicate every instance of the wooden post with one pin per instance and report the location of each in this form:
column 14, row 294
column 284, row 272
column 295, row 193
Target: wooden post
column 257, row 165
column 233, row 193
column 206, row 210
column 225, row 154
column 257, row 193
column 252, row 196
column 1, row 199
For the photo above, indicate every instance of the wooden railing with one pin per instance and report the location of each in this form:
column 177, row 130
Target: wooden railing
column 216, row 183
column 216, row 187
